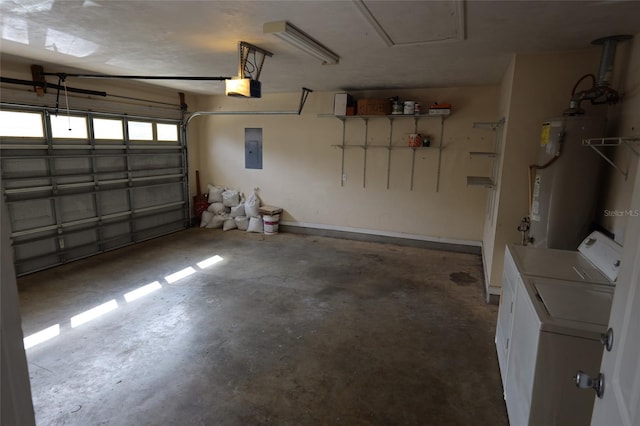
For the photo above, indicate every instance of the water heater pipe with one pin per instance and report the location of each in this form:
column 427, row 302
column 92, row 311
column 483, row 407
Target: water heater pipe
column 600, row 92
column 533, row 167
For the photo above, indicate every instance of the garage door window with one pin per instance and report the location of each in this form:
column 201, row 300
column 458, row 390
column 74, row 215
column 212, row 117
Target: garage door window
column 109, row 129
column 21, row 124
column 140, row 131
column 167, row 132
column 69, row 127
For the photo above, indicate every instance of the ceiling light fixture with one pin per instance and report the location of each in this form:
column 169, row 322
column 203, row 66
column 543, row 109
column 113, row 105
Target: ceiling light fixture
column 301, row 40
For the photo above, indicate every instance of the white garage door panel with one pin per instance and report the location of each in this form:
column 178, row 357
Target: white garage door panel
column 36, row 248
column 156, row 162
column 24, row 167
column 111, row 202
column 27, row 184
column 71, row 196
column 36, row 264
column 81, row 244
column 77, row 207
column 67, row 166
column 31, row 214
column 77, row 238
column 157, row 195
column 161, row 174
column 25, row 173
column 111, row 164
column 160, row 224
column 116, row 230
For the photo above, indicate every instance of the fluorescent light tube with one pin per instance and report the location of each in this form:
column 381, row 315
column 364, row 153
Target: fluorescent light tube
column 301, row 40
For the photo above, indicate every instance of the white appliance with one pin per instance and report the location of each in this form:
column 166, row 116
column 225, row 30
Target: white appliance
column 554, row 306
column 597, row 260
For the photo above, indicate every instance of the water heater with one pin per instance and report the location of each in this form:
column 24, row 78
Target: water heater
column 566, row 182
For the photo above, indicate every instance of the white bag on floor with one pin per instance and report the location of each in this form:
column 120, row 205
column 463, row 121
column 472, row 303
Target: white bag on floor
column 242, row 222
column 238, row 210
column 255, row 224
column 252, row 205
column 229, row 224
column 206, row 218
column 230, row 198
column 215, row 193
column 216, row 221
column 218, row 208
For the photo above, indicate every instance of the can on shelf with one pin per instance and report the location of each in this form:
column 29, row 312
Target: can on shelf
column 409, row 107
column 415, row 140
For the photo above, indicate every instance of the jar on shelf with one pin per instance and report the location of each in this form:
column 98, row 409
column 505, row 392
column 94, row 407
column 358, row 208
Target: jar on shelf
column 409, row 107
column 415, row 140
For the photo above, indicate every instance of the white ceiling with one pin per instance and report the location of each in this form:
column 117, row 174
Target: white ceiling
column 200, row 38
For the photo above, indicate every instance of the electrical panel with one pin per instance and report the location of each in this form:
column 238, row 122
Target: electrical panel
column 253, row 148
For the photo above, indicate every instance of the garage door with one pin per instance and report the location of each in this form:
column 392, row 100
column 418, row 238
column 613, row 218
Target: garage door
column 80, row 183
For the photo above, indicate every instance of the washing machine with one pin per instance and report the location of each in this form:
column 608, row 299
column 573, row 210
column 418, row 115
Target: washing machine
column 596, row 260
column 555, row 305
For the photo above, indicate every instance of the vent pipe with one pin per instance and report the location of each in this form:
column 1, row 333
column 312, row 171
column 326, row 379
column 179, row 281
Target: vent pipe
column 600, row 93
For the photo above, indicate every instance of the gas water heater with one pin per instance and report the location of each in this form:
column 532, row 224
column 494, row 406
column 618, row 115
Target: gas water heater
column 566, row 182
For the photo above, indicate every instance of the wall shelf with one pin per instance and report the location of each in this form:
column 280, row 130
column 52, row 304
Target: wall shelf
column 389, row 147
column 392, row 147
column 631, row 142
column 488, row 125
column 488, row 154
column 480, row 181
column 487, row 181
column 388, row 116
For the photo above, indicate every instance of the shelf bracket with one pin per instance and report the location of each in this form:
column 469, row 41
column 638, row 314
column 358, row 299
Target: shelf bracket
column 489, row 125
column 629, row 142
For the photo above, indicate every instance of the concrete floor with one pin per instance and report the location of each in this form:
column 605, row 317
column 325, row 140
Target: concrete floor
column 285, row 330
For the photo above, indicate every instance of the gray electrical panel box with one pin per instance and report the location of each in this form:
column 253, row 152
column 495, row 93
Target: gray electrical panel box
column 253, row 148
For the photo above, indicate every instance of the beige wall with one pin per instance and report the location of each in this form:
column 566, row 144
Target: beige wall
column 302, row 172
column 490, row 221
column 540, row 89
column 625, row 121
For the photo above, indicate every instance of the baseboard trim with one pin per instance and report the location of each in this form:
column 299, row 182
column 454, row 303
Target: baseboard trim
column 401, row 238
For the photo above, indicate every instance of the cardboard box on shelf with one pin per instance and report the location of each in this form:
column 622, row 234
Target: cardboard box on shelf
column 374, row 107
column 439, row 111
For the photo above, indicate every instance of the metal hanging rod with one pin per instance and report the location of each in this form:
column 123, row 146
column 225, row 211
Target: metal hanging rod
column 303, row 100
column 45, row 84
column 64, row 75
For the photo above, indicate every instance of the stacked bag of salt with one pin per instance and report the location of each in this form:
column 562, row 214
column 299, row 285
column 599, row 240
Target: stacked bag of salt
column 228, row 210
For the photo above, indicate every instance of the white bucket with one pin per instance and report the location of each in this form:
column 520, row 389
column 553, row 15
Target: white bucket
column 271, row 224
